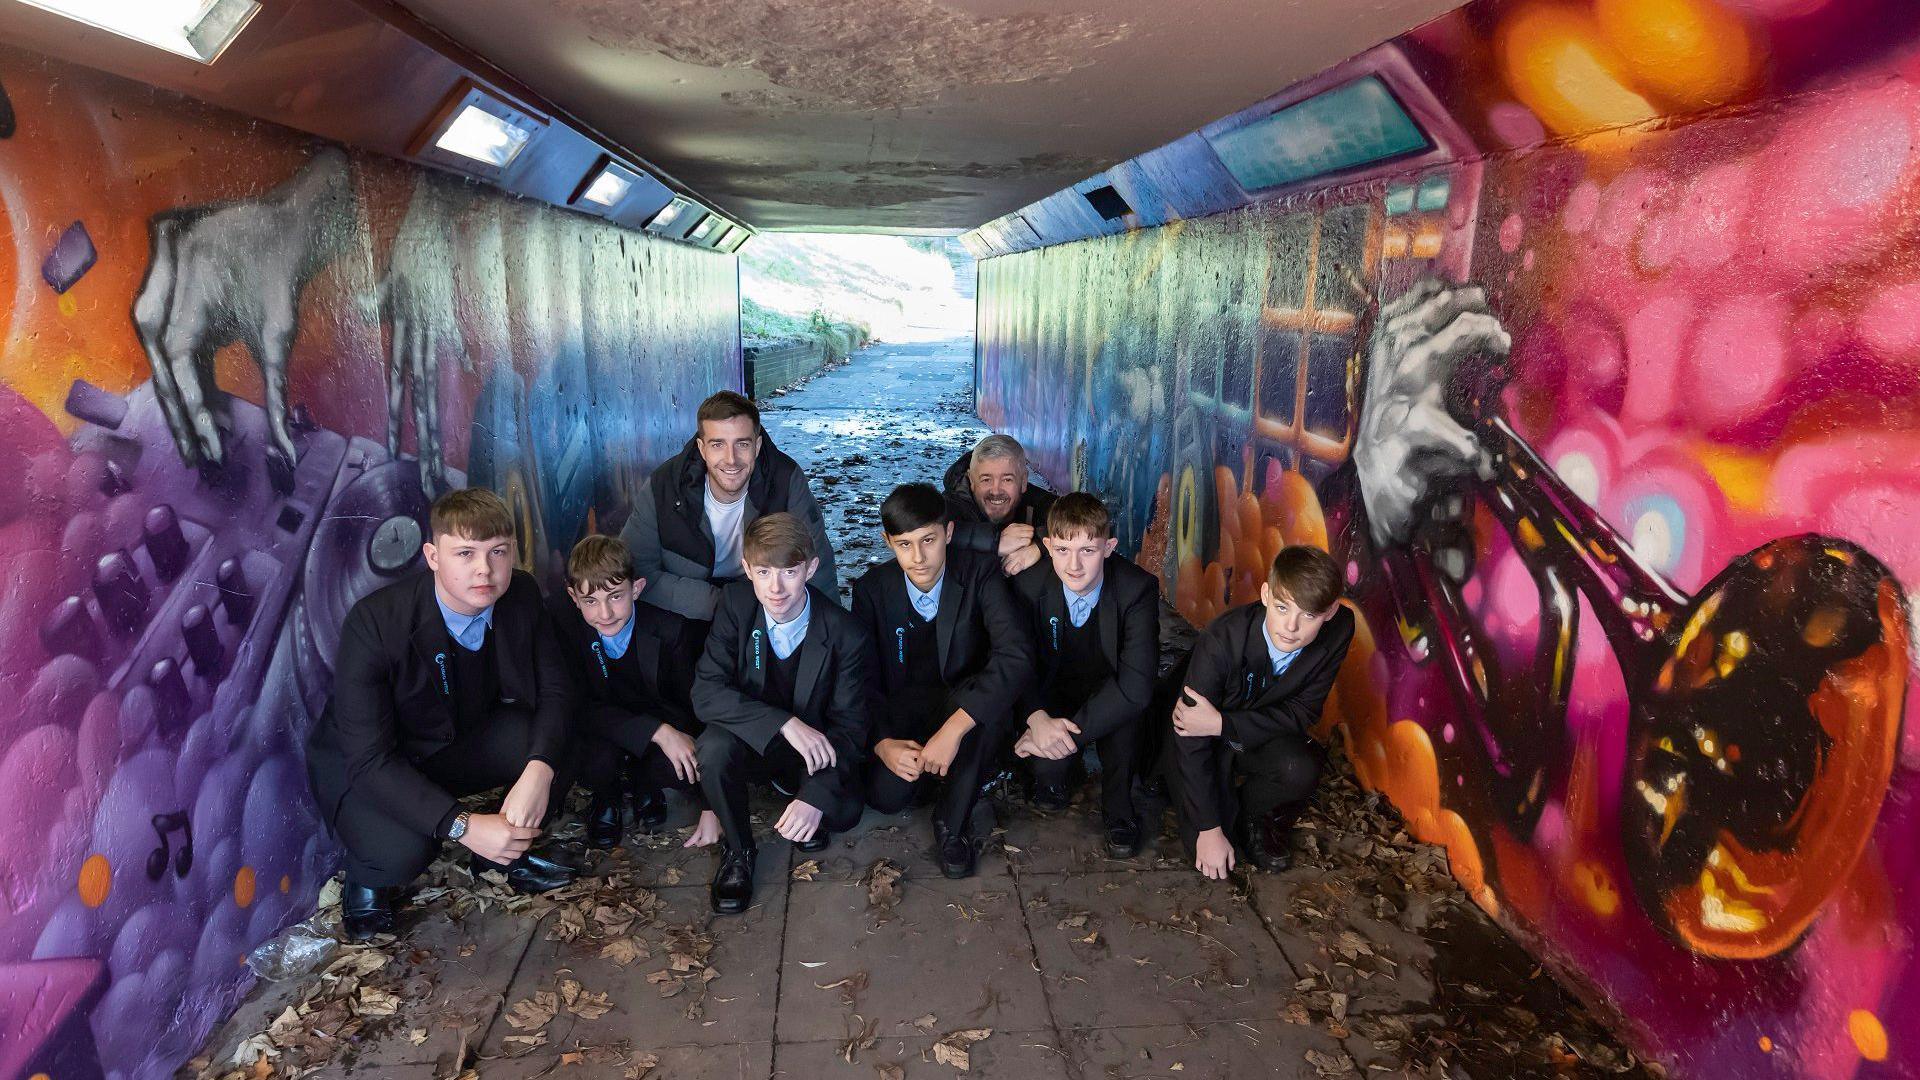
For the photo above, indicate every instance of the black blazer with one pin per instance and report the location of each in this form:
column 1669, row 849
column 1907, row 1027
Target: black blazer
column 658, row 635
column 829, row 686
column 986, row 651
column 391, row 707
column 1232, row 669
column 1128, row 616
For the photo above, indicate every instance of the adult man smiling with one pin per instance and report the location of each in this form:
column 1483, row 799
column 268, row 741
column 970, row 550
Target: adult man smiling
column 689, row 516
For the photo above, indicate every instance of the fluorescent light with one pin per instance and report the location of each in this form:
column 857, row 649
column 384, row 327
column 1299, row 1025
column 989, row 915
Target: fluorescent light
column 608, row 188
column 484, row 137
column 705, row 227
column 669, row 214
column 195, row 29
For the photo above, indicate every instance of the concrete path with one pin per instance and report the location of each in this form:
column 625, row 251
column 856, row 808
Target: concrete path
column 863, row 962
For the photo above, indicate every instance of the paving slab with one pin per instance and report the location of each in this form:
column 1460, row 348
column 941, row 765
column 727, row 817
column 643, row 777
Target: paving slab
column 1073, row 841
column 735, row 1006
column 1335, row 937
column 906, row 839
column 1009, row 1055
column 736, row 1061
column 1217, row 1051
column 1152, row 947
column 953, row 950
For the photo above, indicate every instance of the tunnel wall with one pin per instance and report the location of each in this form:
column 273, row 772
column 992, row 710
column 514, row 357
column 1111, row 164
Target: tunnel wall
column 550, row 356
column 1636, row 637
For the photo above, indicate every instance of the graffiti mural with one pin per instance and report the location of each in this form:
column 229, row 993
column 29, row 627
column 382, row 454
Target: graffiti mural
column 1611, row 419
column 237, row 368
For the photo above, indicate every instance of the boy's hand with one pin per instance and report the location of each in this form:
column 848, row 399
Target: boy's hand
column 1213, row 854
column 799, row 823
column 1051, row 737
column 1195, row 716
column 815, row 749
column 937, row 757
column 680, row 750
column 901, row 757
column 526, row 803
column 493, row 838
column 706, row 832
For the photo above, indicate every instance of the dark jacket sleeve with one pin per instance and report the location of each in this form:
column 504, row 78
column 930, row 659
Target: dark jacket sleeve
column 366, row 730
column 553, row 714
column 866, row 612
column 1196, row 757
column 664, row 588
column 1296, row 713
column 980, row 536
column 1126, row 695
column 717, row 697
column 802, row 504
column 846, row 721
column 1024, row 587
column 991, row 695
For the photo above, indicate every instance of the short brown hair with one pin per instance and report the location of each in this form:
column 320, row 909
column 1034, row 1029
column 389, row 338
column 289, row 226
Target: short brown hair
column 1079, row 512
column 777, row 540
column 1307, row 576
column 726, row 405
column 599, row 562
column 471, row 514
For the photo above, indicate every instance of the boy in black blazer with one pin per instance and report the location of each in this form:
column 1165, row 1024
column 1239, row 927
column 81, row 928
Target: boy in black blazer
column 782, row 682
column 635, row 693
column 952, row 656
column 1096, row 625
column 1255, row 686
column 448, row 683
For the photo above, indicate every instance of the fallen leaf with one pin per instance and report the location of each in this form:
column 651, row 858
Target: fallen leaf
column 624, row 951
column 534, row 1012
column 926, row 1023
column 417, row 1036
column 641, row 1065
column 807, row 871
column 889, row 1071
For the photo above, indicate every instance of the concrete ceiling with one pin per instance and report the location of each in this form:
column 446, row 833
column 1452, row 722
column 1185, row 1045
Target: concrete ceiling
column 897, row 115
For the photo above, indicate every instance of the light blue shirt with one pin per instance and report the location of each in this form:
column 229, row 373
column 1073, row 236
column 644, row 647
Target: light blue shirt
column 1281, row 660
column 926, row 603
column 469, row 631
column 1080, row 607
column 786, row 637
column 616, row 646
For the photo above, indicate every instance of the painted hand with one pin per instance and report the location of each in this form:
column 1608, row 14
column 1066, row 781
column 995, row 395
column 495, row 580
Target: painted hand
column 418, row 307
column 234, row 273
column 1411, row 450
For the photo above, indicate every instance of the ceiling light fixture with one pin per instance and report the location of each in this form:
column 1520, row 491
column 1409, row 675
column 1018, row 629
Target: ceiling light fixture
column 606, row 186
column 478, row 132
column 196, row 29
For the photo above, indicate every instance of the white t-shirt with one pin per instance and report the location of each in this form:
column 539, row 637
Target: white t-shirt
column 724, row 521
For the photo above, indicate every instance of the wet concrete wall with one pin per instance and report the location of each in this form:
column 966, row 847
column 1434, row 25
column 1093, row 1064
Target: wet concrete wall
column 237, row 365
column 1613, row 425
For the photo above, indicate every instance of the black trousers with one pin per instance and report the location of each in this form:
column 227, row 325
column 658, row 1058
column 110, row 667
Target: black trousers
column 1118, row 750
column 381, row 852
column 1273, row 780
column 605, row 747
column 728, row 764
column 959, row 789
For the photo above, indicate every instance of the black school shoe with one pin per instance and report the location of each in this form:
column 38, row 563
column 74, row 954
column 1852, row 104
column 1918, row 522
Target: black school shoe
column 1051, row 798
column 603, row 821
column 527, row 874
column 732, row 888
column 818, row 842
column 1123, row 838
column 1271, row 844
column 956, row 853
column 366, row 911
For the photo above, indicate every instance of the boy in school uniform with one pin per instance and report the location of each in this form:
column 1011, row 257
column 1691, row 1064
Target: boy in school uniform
column 1096, row 624
column 1244, row 764
column 782, row 685
column 448, row 683
column 952, row 656
column 635, row 692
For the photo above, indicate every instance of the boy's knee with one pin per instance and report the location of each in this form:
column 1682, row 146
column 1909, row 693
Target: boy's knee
column 717, row 749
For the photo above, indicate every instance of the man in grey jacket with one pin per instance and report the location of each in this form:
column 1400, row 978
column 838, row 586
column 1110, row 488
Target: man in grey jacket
column 689, row 516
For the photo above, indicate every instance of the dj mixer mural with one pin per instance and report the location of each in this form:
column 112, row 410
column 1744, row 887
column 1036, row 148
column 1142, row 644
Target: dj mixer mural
column 237, row 367
column 1612, row 416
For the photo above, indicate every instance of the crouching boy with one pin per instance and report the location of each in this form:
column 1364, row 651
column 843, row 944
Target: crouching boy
column 781, row 686
column 1244, row 763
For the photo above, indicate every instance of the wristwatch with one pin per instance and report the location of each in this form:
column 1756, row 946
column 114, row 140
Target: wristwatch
column 459, row 827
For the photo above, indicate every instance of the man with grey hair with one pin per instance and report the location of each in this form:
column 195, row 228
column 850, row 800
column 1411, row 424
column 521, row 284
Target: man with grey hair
column 994, row 508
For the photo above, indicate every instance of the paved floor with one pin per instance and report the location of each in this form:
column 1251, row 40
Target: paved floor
column 862, row 962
